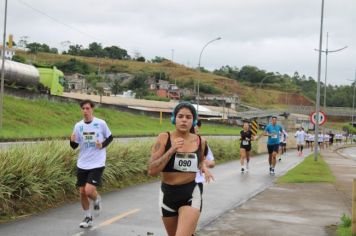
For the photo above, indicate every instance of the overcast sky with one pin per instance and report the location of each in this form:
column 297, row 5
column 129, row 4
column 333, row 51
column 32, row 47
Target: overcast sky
column 274, row 35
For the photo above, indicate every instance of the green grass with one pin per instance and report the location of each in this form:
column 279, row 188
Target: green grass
column 35, row 177
column 41, row 118
column 344, row 229
column 309, row 171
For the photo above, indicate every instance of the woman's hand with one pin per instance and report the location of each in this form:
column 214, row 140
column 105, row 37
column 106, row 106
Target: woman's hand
column 177, row 143
column 208, row 175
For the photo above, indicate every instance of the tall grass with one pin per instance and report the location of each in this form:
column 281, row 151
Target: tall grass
column 34, row 177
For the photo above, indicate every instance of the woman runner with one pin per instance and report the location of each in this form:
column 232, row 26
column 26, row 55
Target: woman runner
column 178, row 156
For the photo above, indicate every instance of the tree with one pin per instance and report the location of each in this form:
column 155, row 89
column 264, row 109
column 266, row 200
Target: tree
column 19, row 58
column 75, row 50
column 158, row 59
column 141, row 58
column 115, row 87
column 73, row 66
column 115, row 52
column 34, row 47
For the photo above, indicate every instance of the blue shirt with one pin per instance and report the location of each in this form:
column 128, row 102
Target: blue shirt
column 274, row 130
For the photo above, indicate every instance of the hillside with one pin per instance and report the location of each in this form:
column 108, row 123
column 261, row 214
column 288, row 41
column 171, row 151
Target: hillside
column 264, row 98
column 41, row 118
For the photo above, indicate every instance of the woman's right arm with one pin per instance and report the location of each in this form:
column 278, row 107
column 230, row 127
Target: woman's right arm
column 159, row 158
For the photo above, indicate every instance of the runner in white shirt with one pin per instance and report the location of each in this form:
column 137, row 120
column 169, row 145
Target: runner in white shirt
column 320, row 141
column 283, row 143
column 209, row 157
column 326, row 140
column 92, row 135
column 300, row 137
column 311, row 138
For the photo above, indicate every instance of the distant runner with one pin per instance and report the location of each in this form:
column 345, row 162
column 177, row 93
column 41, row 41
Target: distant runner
column 273, row 131
column 283, row 143
column 246, row 137
column 300, row 136
column 92, row 135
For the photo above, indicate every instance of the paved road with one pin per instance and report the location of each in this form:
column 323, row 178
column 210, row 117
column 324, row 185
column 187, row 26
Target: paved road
column 349, row 152
column 134, row 210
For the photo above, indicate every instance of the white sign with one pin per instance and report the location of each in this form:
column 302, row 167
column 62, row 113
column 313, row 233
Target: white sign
column 322, row 118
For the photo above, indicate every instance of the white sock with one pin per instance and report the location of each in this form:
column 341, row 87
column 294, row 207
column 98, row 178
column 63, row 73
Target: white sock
column 87, row 213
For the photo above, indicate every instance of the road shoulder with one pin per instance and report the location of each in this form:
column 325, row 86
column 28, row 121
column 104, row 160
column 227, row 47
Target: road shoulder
column 293, row 209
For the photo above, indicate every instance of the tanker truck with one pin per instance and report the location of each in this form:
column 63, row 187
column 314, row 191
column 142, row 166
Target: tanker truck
column 44, row 80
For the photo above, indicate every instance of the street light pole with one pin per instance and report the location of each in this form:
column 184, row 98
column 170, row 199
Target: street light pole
column 198, row 87
column 327, row 51
column 353, row 100
column 318, row 85
column 3, row 68
column 260, row 86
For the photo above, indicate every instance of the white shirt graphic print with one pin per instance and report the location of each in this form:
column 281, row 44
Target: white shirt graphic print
column 90, row 157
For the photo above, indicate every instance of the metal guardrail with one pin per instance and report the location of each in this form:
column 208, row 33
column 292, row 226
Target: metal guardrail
column 331, row 111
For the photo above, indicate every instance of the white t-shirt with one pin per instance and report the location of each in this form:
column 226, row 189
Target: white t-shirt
column 300, row 135
column 320, row 138
column 86, row 135
column 199, row 178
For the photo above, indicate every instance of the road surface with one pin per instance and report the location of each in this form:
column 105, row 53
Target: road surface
column 134, row 210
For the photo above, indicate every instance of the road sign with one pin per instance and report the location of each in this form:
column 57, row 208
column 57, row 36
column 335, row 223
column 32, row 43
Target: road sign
column 322, row 118
column 254, row 127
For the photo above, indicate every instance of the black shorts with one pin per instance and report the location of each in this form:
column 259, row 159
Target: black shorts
column 92, row 176
column 283, row 144
column 173, row 197
column 307, row 141
column 246, row 147
column 272, row 148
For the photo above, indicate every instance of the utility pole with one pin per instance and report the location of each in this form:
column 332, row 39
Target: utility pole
column 327, row 51
column 318, row 85
column 3, row 68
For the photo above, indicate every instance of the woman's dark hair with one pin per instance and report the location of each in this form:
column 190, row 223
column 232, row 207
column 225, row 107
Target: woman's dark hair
column 87, row 101
column 186, row 105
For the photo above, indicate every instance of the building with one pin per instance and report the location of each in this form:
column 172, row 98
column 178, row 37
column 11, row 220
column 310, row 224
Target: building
column 76, row 83
column 9, row 52
column 164, row 89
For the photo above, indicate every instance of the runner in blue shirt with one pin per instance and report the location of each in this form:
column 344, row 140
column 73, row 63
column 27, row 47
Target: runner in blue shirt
column 273, row 132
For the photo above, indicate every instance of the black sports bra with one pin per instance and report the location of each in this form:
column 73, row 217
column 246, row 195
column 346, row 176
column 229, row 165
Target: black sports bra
column 185, row 162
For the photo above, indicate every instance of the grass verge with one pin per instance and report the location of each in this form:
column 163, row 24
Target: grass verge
column 309, row 171
column 344, row 229
column 42, row 119
column 35, row 177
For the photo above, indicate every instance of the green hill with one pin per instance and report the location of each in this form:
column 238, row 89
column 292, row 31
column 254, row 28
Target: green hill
column 263, row 98
column 39, row 119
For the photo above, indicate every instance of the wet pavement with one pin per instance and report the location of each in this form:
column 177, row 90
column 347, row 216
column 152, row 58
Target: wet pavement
column 293, row 209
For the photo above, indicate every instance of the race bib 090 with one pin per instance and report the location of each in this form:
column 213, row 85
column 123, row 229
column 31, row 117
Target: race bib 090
column 186, row 162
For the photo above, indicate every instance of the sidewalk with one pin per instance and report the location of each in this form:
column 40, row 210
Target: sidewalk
column 293, row 209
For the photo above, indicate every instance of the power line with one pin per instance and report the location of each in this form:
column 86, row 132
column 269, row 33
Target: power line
column 58, row 21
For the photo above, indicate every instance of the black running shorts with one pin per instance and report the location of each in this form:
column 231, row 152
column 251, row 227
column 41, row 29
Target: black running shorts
column 92, row 176
column 173, row 197
column 272, row 148
column 246, row 147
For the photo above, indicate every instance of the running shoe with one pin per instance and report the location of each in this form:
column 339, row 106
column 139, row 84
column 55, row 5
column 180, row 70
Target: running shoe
column 272, row 171
column 242, row 170
column 87, row 222
column 279, row 159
